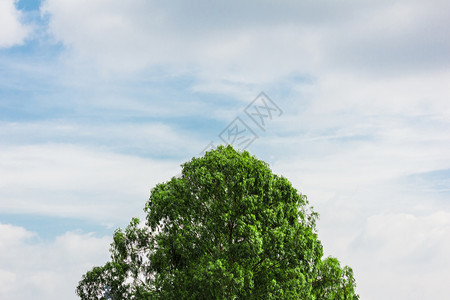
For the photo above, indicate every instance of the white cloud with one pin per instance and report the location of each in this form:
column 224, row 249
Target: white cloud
column 404, row 254
column 148, row 139
column 69, row 181
column 394, row 39
column 373, row 109
column 31, row 269
column 12, row 30
column 255, row 42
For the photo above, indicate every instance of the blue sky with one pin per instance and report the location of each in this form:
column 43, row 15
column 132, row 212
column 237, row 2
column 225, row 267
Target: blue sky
column 101, row 100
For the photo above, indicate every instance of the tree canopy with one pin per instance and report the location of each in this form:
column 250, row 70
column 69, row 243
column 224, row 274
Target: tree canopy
column 227, row 228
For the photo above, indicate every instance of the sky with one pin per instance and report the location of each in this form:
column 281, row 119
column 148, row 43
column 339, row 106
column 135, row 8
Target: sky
column 101, row 100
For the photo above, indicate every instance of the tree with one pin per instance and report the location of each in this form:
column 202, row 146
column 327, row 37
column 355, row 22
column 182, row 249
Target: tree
column 228, row 228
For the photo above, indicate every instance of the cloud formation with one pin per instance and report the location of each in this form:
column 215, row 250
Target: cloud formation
column 117, row 94
column 405, row 254
column 32, row 269
column 58, row 180
column 12, row 30
column 242, row 42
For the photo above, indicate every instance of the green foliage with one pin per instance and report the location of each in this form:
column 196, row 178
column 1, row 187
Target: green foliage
column 227, row 229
